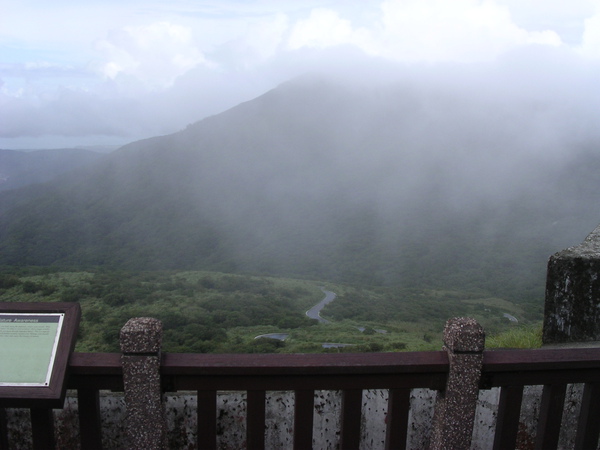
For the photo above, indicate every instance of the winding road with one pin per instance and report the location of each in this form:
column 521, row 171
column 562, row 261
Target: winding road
column 315, row 311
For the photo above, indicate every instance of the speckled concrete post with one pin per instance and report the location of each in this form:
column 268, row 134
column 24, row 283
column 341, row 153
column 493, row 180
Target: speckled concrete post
column 572, row 309
column 454, row 414
column 140, row 343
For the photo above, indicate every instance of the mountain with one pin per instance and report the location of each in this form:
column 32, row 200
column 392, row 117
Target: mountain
column 20, row 168
column 382, row 184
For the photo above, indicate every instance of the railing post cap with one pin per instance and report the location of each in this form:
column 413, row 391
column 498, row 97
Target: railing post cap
column 141, row 335
column 464, row 334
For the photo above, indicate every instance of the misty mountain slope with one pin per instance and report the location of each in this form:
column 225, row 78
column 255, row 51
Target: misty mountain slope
column 368, row 184
column 18, row 168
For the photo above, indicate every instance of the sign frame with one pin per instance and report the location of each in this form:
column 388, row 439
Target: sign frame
column 52, row 394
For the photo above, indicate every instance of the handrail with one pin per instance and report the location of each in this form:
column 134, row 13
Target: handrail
column 342, row 364
column 95, row 363
column 311, row 371
column 540, row 366
column 95, row 371
column 330, row 364
column 542, row 359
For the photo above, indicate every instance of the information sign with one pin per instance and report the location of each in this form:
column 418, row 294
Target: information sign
column 29, row 342
column 36, row 340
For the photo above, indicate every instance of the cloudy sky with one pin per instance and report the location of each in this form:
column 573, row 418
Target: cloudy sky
column 109, row 72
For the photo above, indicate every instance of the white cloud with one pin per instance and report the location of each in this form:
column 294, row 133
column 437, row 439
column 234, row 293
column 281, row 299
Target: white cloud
column 325, row 28
column 461, row 30
column 590, row 43
column 563, row 17
column 423, row 30
column 261, row 40
column 156, row 54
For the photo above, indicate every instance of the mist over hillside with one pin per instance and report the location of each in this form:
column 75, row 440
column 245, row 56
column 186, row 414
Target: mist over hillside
column 398, row 181
column 19, row 168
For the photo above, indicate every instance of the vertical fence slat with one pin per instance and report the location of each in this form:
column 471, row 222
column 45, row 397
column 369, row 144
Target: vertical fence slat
column 207, row 419
column 351, row 412
column 551, row 410
column 255, row 431
column 88, row 404
column 304, row 407
column 588, row 427
column 397, row 419
column 509, row 411
column 3, row 429
column 42, row 428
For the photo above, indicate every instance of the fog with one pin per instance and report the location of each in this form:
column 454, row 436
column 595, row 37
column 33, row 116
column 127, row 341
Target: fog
column 378, row 173
column 383, row 171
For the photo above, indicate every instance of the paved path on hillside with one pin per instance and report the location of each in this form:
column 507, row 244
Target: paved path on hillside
column 315, row 311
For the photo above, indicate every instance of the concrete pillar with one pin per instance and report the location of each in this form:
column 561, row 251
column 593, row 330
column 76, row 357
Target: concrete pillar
column 140, row 343
column 572, row 308
column 454, row 414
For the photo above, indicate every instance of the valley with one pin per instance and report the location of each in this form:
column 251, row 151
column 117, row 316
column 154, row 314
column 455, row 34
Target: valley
column 223, row 313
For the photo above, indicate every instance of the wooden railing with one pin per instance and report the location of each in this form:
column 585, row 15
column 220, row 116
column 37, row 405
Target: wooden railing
column 303, row 374
column 206, row 374
column 511, row 370
column 91, row 373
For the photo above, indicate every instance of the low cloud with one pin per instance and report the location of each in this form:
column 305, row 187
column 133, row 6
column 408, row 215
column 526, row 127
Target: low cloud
column 154, row 54
column 464, row 30
column 590, row 43
column 162, row 72
column 325, row 28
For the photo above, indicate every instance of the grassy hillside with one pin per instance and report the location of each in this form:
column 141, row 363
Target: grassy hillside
column 216, row 312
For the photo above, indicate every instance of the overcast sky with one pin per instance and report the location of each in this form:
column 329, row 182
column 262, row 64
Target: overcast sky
column 109, row 72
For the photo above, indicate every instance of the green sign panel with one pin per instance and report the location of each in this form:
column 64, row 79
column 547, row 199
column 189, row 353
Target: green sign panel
column 28, row 344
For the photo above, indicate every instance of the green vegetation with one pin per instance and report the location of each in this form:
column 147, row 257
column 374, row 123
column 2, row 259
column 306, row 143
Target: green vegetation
column 518, row 337
column 218, row 312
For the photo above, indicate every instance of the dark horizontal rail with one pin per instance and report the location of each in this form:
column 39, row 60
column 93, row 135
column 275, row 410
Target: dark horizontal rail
column 540, row 366
column 541, row 359
column 301, row 364
column 314, row 382
column 314, row 371
column 103, row 364
column 500, row 367
column 95, row 371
